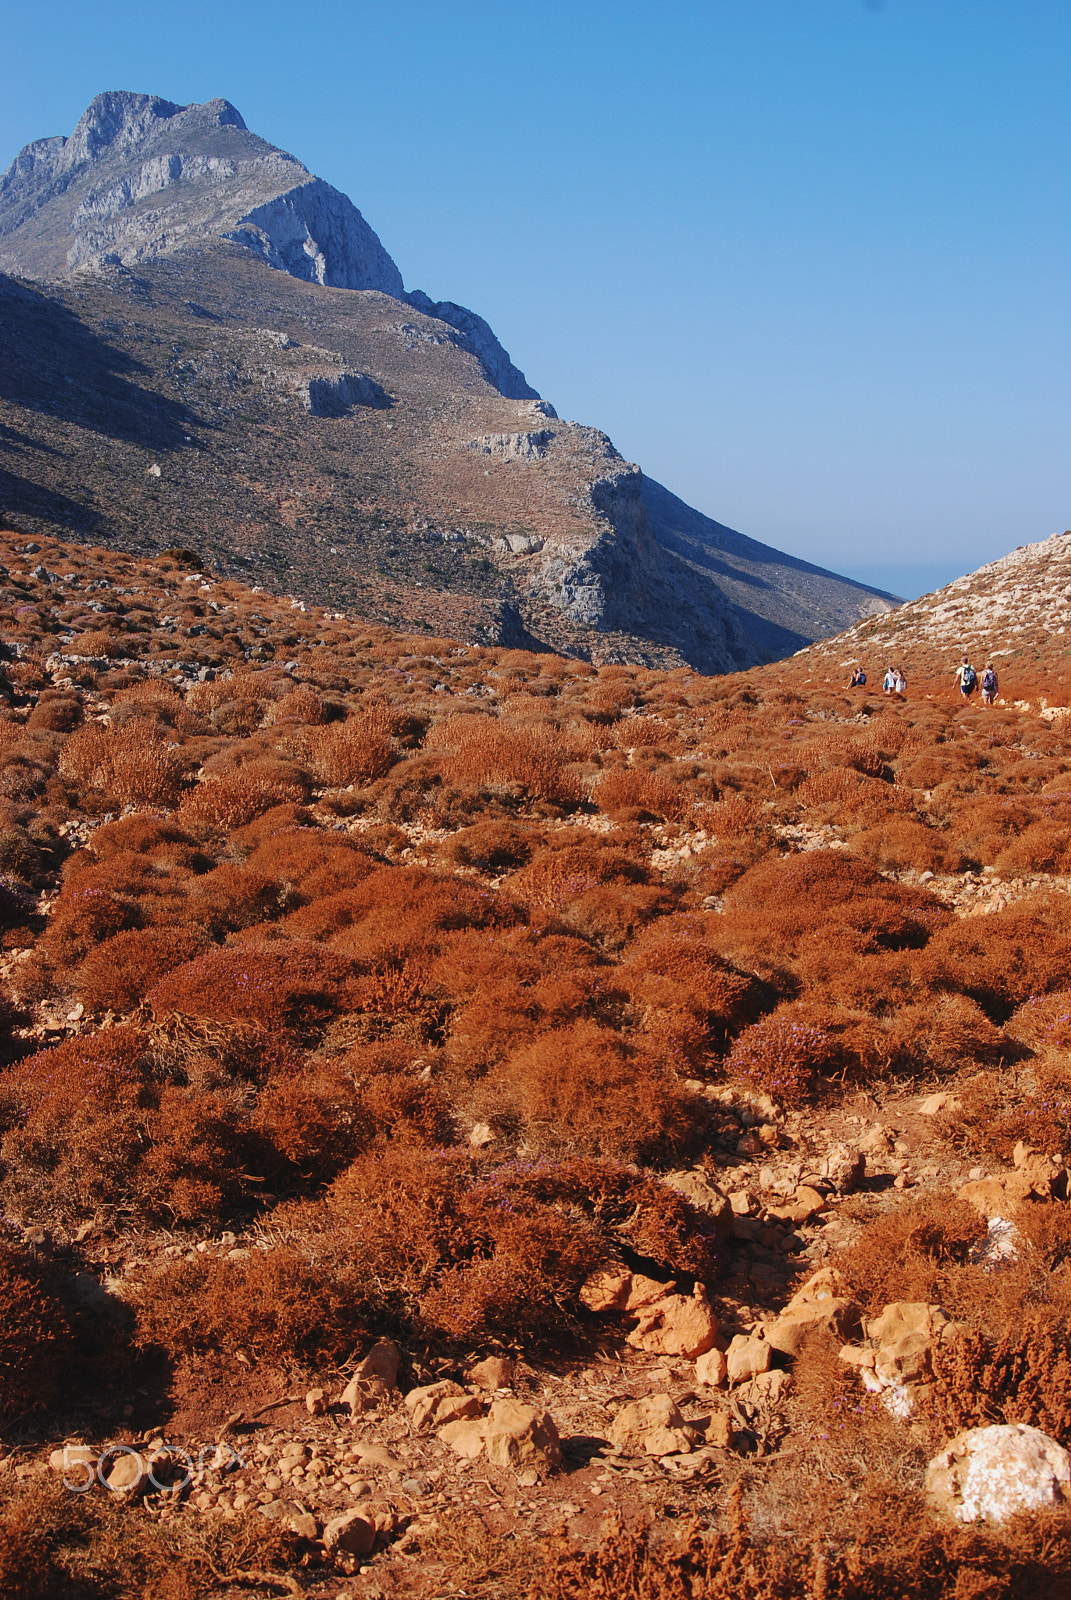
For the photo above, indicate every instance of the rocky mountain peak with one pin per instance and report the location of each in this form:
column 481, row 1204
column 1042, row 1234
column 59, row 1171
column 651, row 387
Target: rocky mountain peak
column 141, row 177
column 120, row 120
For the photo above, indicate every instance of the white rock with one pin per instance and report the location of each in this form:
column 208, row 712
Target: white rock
column 990, row 1474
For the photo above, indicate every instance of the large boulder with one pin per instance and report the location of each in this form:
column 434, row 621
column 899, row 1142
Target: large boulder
column 374, row 1379
column 676, row 1325
column 438, row 1403
column 522, row 1437
column 990, row 1474
column 617, row 1289
column 747, row 1356
column 697, row 1188
column 843, row 1167
column 821, row 1305
column 652, row 1426
column 353, row 1533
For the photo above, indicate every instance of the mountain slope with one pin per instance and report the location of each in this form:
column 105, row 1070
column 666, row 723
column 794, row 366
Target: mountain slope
column 225, row 355
column 1014, row 612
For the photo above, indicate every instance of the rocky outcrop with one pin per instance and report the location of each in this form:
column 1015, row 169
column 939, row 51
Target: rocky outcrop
column 477, row 337
column 314, row 232
column 514, row 446
column 336, row 394
column 991, row 1474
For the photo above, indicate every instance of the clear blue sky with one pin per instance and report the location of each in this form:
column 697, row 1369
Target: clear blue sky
column 806, row 261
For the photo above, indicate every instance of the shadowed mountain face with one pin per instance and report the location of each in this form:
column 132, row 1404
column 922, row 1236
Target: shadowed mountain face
column 225, row 356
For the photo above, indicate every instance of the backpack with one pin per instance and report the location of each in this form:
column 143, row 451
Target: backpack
column 970, row 678
column 989, row 681
column 861, row 678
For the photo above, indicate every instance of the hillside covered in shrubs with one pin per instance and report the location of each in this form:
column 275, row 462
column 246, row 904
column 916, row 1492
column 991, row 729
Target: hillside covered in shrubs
column 360, row 986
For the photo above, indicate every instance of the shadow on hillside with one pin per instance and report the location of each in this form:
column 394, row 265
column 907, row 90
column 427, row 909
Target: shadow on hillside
column 21, row 497
column 52, row 363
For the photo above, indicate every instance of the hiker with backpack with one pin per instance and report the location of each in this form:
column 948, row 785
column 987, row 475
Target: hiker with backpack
column 967, row 678
column 989, row 686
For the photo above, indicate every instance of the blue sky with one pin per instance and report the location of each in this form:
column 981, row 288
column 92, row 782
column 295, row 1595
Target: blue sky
column 806, row 261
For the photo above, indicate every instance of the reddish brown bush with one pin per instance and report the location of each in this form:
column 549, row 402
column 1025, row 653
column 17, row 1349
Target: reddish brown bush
column 583, row 1089
column 1003, row 959
column 56, row 712
column 117, row 975
column 492, row 752
column 36, row 1344
column 236, row 798
column 781, row 1055
column 313, row 1122
column 136, row 766
column 231, row 897
column 906, row 1254
column 194, row 1168
column 902, row 842
column 274, row 986
column 1023, row 1375
column 278, row 1303
column 72, row 1134
column 490, row 846
column 356, row 751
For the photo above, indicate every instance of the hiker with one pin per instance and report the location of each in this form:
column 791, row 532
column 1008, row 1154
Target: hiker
column 857, row 679
column 899, row 681
column 967, row 678
column 989, row 685
column 889, row 681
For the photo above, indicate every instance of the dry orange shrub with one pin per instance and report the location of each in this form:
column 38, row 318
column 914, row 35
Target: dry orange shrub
column 501, row 1251
column 583, row 1090
column 301, row 705
column 291, row 985
column 1003, row 959
column 622, row 792
column 136, row 766
column 356, row 751
column 117, row 974
column 780, row 1055
column 489, row 846
column 632, row 732
column 407, row 910
column 36, row 1343
column 55, row 713
column 281, row 1304
column 1043, row 1021
column 231, row 897
column 730, row 818
column 312, row 1124
column 909, row 1253
column 155, row 837
column 99, row 642
column 851, row 794
column 83, row 916
column 1023, row 1375
column 71, row 1122
column 236, row 798
column 822, row 892
column 492, row 752
column 904, row 842
column 557, row 877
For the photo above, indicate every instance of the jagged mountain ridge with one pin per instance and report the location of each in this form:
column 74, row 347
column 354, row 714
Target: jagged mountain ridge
column 240, row 277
